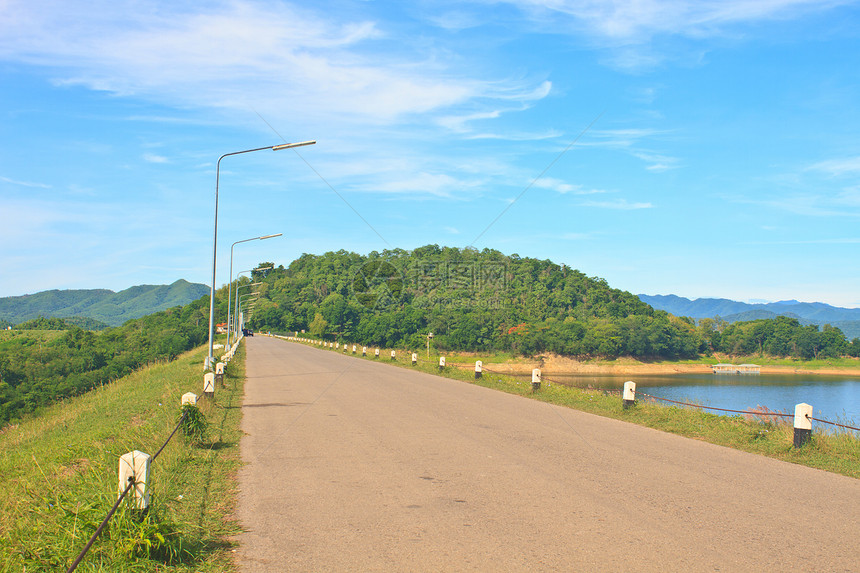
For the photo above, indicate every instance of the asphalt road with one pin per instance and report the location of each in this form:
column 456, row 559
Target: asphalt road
column 357, row 466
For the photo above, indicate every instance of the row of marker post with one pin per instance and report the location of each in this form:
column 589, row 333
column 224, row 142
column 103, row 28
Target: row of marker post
column 802, row 412
column 802, row 415
column 136, row 464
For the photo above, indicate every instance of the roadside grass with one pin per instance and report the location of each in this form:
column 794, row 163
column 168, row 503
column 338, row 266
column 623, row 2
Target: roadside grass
column 58, row 476
column 836, row 451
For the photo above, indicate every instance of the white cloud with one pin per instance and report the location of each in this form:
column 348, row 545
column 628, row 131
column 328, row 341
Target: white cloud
column 620, row 204
column 152, row 158
column 563, row 187
column 809, row 204
column 637, row 21
column 621, row 137
column 242, row 54
column 838, row 167
column 575, row 236
column 24, row 183
column 438, row 184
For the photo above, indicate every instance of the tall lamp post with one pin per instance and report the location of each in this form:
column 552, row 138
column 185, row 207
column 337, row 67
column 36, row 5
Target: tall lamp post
column 209, row 358
column 251, row 299
column 230, row 284
column 236, row 302
column 236, row 298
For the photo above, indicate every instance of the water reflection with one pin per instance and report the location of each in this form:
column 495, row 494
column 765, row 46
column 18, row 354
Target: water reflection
column 835, row 398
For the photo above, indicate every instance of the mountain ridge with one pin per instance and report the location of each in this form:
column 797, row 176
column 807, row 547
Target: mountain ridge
column 104, row 305
column 818, row 313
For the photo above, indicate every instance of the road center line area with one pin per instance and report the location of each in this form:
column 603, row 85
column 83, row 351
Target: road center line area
column 353, row 465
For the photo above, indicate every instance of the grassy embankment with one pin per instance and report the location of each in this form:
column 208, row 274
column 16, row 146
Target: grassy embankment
column 833, row 451
column 58, row 476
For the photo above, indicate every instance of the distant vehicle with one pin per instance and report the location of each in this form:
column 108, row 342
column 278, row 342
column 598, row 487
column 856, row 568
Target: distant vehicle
column 247, row 332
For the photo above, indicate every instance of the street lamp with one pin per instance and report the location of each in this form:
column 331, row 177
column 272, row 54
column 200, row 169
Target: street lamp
column 250, row 300
column 209, row 358
column 236, row 312
column 240, row 273
column 230, row 284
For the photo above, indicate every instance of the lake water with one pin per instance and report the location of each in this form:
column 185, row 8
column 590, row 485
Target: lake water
column 834, row 398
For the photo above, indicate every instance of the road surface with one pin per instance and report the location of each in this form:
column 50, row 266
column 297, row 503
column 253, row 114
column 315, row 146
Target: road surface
column 353, row 465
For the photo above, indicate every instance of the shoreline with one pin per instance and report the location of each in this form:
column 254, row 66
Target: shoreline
column 561, row 365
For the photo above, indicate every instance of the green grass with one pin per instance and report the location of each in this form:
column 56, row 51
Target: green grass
column 58, row 476
column 837, row 452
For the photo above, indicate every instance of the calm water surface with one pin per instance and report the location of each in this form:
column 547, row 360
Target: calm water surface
column 835, row 398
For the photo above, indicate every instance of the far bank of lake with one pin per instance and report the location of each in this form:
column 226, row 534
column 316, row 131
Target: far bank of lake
column 833, row 392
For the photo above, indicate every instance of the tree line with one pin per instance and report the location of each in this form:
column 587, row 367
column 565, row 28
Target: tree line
column 485, row 301
column 48, row 359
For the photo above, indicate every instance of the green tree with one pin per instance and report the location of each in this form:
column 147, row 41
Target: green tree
column 318, row 326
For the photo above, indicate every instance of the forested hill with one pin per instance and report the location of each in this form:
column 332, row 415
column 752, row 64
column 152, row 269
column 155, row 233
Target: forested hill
column 112, row 308
column 470, row 300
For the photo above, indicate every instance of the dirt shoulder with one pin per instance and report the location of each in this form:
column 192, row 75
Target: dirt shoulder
column 554, row 364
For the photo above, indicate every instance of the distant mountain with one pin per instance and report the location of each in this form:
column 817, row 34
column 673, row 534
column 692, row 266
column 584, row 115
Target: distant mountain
column 106, row 306
column 819, row 313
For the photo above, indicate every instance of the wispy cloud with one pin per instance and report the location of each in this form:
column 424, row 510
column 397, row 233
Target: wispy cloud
column 835, row 241
column 563, row 187
column 271, row 56
column 24, row 183
column 620, row 204
column 420, row 184
column 657, row 161
column 636, row 142
column 574, row 236
column 627, row 29
column 809, row 204
column 837, row 167
column 152, row 158
column 634, row 21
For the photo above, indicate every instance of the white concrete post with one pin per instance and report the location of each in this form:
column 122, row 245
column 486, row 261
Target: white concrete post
column 376, row 354
column 441, row 363
column 535, row 379
column 414, row 358
column 802, row 424
column 628, row 398
column 479, row 369
column 364, row 350
column 189, row 398
column 209, row 384
column 135, row 465
column 393, row 355
column 344, row 348
column 353, row 348
column 219, row 372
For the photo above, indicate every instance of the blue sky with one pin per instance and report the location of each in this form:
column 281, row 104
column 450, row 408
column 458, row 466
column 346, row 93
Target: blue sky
column 702, row 148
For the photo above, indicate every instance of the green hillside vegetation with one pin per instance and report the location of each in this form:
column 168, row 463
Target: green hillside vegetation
column 54, row 323
column 56, row 360
column 105, row 306
column 486, row 301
